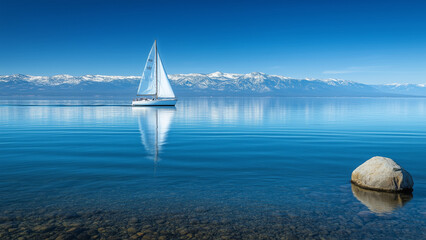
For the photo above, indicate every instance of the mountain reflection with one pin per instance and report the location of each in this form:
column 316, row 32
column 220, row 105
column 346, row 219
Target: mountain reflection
column 154, row 124
column 380, row 202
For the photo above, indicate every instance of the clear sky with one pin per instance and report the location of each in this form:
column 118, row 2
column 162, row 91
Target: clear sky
column 364, row 41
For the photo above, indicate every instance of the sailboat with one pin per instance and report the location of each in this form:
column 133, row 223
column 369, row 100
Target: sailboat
column 154, row 125
column 154, row 87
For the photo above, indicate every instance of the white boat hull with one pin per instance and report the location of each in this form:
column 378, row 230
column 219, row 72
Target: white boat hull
column 155, row 102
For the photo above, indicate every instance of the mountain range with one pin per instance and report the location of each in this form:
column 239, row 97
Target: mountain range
column 196, row 84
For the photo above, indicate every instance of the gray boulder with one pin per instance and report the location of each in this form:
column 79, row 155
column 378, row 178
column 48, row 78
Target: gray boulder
column 382, row 174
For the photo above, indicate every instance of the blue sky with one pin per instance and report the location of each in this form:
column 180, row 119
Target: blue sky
column 365, row 41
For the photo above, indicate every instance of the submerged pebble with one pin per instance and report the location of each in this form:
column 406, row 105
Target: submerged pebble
column 220, row 223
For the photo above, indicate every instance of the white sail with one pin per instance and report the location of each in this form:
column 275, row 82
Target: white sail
column 164, row 88
column 147, row 86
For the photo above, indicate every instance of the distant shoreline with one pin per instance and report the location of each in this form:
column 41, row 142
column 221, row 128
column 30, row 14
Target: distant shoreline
column 216, row 84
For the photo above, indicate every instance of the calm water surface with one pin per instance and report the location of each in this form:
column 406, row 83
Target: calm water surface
column 209, row 168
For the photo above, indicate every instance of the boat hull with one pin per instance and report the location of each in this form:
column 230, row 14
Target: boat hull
column 156, row 102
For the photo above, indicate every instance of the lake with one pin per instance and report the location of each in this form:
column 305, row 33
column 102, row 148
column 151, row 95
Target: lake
column 209, row 168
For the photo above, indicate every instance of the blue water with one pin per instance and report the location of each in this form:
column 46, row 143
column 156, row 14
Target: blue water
column 216, row 167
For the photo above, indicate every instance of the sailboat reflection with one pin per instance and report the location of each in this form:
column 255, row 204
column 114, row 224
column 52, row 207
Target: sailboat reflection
column 380, row 202
column 154, row 124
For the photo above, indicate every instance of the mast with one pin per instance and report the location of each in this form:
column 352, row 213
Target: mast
column 156, row 71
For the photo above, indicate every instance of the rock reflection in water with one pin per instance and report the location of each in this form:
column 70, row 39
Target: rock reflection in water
column 380, row 202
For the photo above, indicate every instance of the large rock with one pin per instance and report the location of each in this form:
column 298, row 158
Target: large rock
column 382, row 174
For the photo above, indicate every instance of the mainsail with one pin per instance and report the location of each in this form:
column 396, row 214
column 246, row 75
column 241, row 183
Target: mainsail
column 147, row 86
column 154, row 80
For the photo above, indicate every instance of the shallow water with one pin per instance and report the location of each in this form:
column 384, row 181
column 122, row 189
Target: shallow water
column 231, row 168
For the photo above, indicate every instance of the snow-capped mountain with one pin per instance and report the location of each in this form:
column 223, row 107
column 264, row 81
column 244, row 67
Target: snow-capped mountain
column 406, row 89
column 194, row 84
column 257, row 83
column 64, row 79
